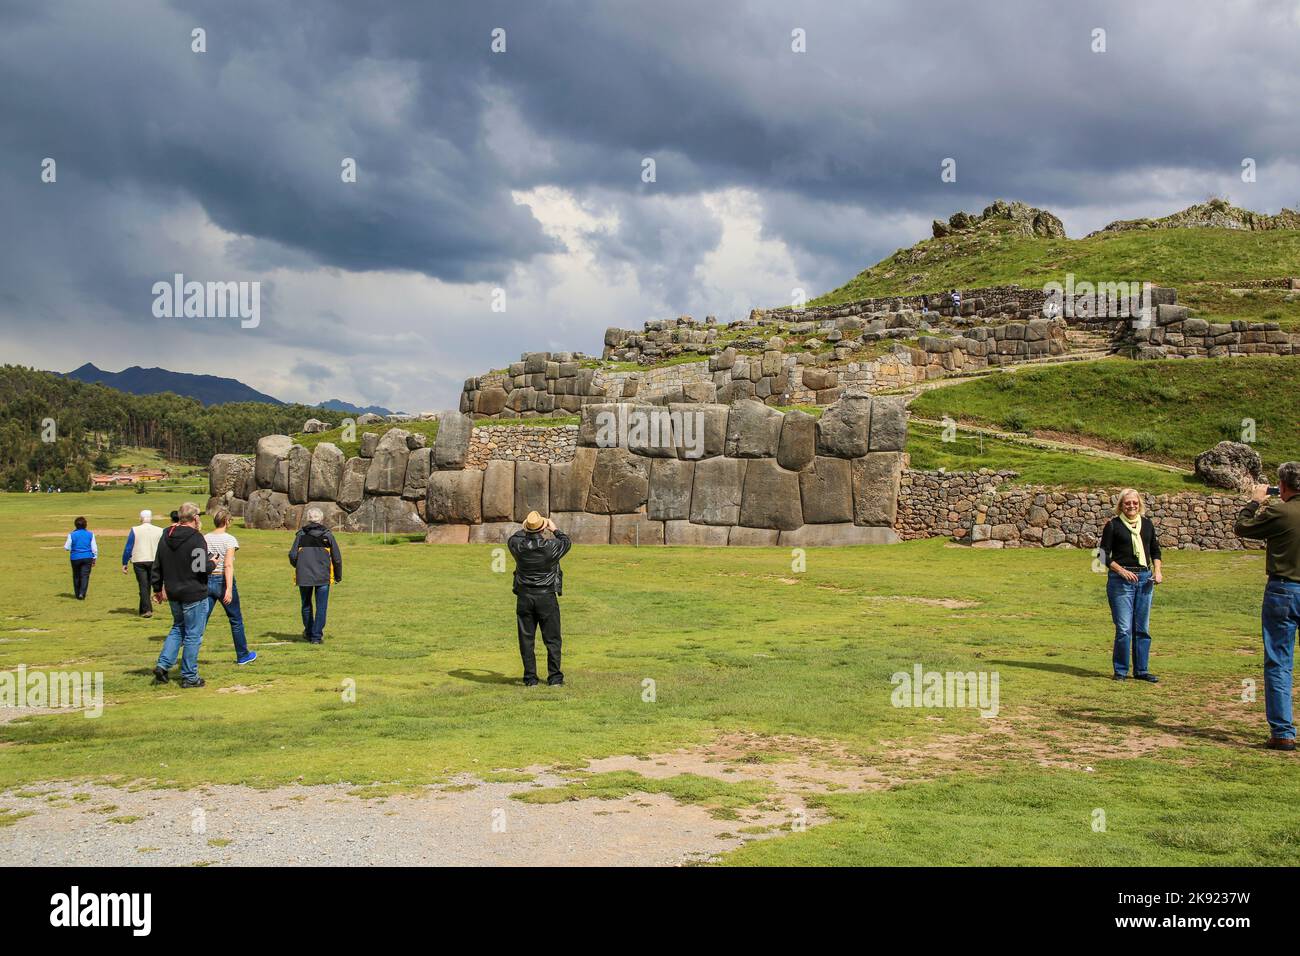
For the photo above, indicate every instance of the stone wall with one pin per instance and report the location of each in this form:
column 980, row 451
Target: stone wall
column 1175, row 334
column 690, row 474
column 972, row 508
column 769, row 374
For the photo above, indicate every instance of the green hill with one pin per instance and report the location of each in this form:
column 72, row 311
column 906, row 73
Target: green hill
column 1203, row 263
column 1169, row 411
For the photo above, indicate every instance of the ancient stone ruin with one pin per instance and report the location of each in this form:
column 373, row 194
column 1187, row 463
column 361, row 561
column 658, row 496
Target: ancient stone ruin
column 690, row 474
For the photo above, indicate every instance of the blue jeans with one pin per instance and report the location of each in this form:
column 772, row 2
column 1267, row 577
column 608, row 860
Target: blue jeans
column 1280, row 616
column 314, row 627
column 188, row 622
column 1130, row 609
column 216, row 589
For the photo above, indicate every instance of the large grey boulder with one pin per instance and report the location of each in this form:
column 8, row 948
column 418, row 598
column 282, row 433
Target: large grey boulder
column 771, row 497
column 352, row 486
column 670, row 490
column 635, row 529
column 270, row 449
column 888, row 423
column 684, row 533
column 532, row 488
column 266, row 509
column 571, row 481
column 327, row 463
column 451, row 447
column 280, row 482
column 499, row 490
column 876, row 478
column 455, row 497
column 601, row 424
column 387, row 472
column 314, row 425
column 386, row 514
column 836, row 535
column 717, row 491
column 844, row 429
column 619, row 482
column 225, row 474
column 827, row 491
column 798, row 440
column 369, row 442
column 583, row 527
column 652, row 431
column 703, row 431
column 1230, row 464
column 299, row 474
column 491, row 400
column 753, row 430
column 418, row 467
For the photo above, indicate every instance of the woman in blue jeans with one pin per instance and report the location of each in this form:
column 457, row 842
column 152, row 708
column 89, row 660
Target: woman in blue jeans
column 1131, row 550
column 222, row 546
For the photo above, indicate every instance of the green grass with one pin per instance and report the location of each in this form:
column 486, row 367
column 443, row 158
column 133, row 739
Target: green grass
column 735, row 640
column 1038, row 466
column 1168, row 411
column 994, row 255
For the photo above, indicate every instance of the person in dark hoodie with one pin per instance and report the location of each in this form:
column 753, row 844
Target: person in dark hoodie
column 317, row 564
column 180, row 577
column 538, row 582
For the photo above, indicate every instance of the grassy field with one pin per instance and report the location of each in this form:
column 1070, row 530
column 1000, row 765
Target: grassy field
column 1168, row 411
column 736, row 640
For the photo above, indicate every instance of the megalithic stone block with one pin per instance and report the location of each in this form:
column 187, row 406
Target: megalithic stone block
column 619, row 483
column 387, row 471
column 670, row 490
column 499, row 490
column 798, row 440
column 451, row 446
column 753, row 430
column 888, row 423
column 717, row 491
column 327, row 464
column 455, row 497
column 826, row 490
column 571, row 481
column 532, row 488
column 635, row 529
column 876, row 478
column 771, row 497
column 270, row 449
column 844, row 429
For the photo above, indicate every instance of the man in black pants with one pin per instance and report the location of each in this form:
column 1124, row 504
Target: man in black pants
column 538, row 582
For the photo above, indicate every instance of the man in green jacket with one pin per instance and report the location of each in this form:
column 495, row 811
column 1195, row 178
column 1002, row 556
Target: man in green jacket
column 1276, row 522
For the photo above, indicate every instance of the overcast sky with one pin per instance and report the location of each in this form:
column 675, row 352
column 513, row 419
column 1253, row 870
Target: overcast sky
column 523, row 170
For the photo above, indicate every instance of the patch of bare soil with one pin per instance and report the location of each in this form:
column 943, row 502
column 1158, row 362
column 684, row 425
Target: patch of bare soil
column 951, row 603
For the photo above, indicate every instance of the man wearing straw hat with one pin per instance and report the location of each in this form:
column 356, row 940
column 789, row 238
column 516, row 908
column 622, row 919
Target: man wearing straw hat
column 537, row 585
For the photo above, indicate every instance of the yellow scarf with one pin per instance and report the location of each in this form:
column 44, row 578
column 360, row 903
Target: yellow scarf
column 1135, row 532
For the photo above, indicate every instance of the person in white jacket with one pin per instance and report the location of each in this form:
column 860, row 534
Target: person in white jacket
column 140, row 551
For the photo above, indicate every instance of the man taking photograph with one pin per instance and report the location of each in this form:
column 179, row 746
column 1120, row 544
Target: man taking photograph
column 1276, row 522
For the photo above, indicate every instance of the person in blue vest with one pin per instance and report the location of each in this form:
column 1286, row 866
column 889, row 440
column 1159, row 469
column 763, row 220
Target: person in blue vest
column 83, row 550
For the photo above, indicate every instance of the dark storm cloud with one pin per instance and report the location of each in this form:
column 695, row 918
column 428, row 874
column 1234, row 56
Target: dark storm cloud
column 841, row 145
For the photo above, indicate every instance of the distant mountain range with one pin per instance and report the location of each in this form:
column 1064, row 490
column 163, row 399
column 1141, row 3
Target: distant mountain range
column 208, row 389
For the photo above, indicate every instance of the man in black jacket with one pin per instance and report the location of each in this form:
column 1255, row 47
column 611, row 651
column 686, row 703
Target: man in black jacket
column 317, row 563
column 180, row 577
column 537, row 583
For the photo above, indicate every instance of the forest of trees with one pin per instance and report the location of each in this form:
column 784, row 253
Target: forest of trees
column 56, row 431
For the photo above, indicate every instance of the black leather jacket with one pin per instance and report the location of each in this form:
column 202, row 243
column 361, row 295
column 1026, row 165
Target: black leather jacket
column 537, row 560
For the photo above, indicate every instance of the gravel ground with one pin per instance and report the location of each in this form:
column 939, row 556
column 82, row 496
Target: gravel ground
column 325, row 826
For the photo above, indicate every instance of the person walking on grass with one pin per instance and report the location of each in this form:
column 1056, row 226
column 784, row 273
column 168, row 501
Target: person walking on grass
column 317, row 563
column 180, row 577
column 222, row 590
column 83, row 551
column 538, row 582
column 139, row 554
column 1276, row 522
column 1131, row 551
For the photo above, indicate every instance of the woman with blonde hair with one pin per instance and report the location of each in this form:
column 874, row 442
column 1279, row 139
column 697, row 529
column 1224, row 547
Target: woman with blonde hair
column 1130, row 549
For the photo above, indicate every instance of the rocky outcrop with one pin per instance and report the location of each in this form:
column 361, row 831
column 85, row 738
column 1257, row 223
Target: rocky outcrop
column 1215, row 214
